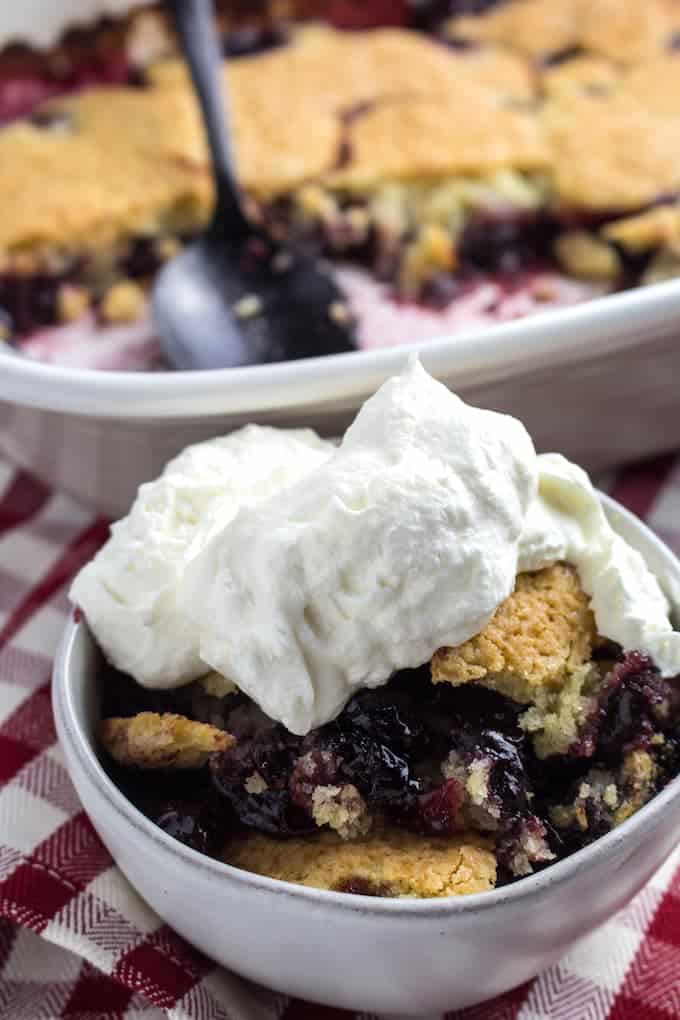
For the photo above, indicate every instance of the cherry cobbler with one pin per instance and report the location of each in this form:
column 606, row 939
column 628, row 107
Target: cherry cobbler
column 459, row 162
column 488, row 763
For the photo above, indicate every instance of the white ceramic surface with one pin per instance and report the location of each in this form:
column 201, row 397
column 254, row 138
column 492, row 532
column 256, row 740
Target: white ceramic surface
column 389, row 956
column 41, row 22
column 597, row 381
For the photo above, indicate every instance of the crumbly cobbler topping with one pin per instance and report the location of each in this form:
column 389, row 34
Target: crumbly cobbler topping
column 151, row 740
column 99, row 165
column 536, row 639
column 388, row 863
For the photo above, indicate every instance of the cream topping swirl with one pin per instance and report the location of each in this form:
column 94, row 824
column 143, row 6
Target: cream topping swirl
column 303, row 572
column 405, row 539
column 129, row 591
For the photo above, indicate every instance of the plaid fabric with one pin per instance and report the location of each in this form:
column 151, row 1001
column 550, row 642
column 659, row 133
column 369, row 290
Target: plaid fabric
column 76, row 941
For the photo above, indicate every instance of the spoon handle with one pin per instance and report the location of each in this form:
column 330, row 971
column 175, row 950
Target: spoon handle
column 195, row 24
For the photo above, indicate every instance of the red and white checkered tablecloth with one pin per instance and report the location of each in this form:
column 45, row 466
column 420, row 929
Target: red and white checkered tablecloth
column 76, row 942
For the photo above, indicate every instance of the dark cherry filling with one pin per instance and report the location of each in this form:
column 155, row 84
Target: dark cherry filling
column 270, row 758
column 635, row 703
column 191, row 823
column 428, row 15
column 357, row 14
column 30, row 302
column 360, row 886
column 387, row 743
column 28, row 78
column 504, row 244
column 416, row 754
column 507, row 244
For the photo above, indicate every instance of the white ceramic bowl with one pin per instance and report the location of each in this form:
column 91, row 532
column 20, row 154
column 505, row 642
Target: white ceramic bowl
column 391, row 955
column 597, row 381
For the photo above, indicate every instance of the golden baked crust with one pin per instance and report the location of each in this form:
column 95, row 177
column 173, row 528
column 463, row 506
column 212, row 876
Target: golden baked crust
column 653, row 85
column 340, row 70
column 624, row 31
column 413, row 140
column 540, row 634
column 279, row 146
column 659, row 227
column 587, row 256
column 151, row 740
column 390, row 863
column 583, row 74
column 115, row 161
column 534, row 27
column 290, row 131
column 358, row 113
column 625, row 166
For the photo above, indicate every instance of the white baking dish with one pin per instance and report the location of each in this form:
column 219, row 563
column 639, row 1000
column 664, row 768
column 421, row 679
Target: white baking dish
column 40, row 23
column 598, row 381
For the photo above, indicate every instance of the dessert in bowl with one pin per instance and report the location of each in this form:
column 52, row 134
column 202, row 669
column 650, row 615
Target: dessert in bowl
column 379, row 682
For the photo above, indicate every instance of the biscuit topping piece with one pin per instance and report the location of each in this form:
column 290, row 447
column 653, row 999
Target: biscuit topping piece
column 391, row 863
column 537, row 637
column 151, row 740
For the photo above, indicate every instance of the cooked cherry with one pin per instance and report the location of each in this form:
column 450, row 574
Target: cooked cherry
column 631, row 708
column 428, row 15
column 253, row 777
column 506, row 243
column 142, row 259
column 191, row 824
column 438, row 812
column 360, row 886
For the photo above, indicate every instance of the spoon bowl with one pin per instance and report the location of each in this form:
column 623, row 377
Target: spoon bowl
column 222, row 305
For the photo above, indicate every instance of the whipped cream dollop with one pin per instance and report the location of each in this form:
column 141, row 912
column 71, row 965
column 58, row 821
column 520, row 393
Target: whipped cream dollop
column 405, row 539
column 567, row 521
column 302, row 571
column 129, row 591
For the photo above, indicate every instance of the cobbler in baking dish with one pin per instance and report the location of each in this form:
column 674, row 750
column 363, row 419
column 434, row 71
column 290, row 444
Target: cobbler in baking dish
column 471, row 162
column 421, row 663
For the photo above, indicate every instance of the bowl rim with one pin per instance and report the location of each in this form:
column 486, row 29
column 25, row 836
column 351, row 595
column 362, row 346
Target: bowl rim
column 527, row 888
column 551, row 338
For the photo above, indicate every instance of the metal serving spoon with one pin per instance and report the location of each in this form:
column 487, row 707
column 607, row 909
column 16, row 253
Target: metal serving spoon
column 235, row 297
